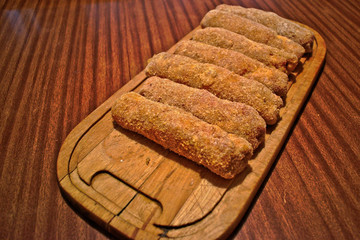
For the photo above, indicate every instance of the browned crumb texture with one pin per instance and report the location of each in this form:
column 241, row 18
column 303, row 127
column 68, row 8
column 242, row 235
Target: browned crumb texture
column 270, row 56
column 175, row 129
column 250, row 29
column 233, row 117
column 282, row 26
column 221, row 82
column 236, row 62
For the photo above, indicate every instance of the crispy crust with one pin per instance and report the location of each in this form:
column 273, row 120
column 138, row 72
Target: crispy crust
column 282, row 26
column 173, row 128
column 182, row 114
column 250, row 29
column 236, row 62
column 233, row 117
column 221, row 82
column 270, row 56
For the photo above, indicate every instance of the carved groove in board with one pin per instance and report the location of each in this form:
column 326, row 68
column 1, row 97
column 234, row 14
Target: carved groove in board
column 128, row 199
column 91, row 193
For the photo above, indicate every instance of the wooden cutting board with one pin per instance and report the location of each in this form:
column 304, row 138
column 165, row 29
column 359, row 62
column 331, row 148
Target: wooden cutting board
column 133, row 187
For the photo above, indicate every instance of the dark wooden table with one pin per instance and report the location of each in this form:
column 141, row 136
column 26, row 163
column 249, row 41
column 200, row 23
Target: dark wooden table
column 59, row 60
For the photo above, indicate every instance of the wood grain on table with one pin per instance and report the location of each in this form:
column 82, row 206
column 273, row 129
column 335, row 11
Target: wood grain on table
column 61, row 59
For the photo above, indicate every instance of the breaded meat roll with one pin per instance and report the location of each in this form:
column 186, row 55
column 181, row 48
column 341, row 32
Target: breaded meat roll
column 219, row 81
column 281, row 26
column 250, row 29
column 236, row 62
column 233, row 117
column 181, row 132
column 270, row 56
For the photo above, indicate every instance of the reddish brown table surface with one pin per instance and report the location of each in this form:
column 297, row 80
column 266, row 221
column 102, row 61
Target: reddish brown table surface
column 59, row 60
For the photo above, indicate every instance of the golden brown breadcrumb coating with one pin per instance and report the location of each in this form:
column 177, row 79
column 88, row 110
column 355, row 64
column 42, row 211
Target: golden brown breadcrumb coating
column 250, row 29
column 281, row 26
column 270, row 56
column 233, row 117
column 175, row 129
column 221, row 82
column 236, row 62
